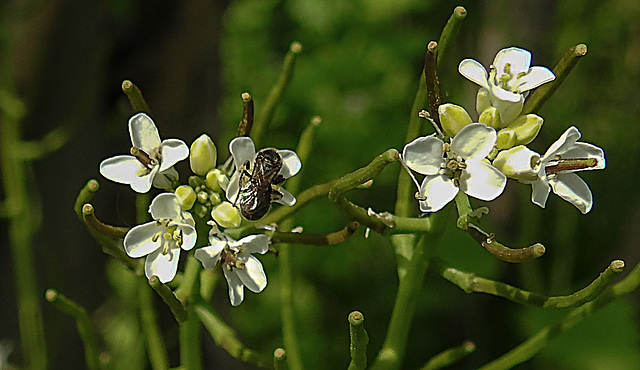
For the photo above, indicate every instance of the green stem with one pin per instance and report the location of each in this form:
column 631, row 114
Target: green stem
column 540, row 95
column 21, row 215
column 261, row 125
column 226, row 338
column 188, row 294
column 302, row 200
column 135, row 97
column 280, row 359
column 450, row 356
column 449, row 32
column 501, row 251
column 313, row 238
column 149, row 322
column 359, row 341
column 83, row 322
column 294, row 358
column 470, row 283
column 169, row 299
column 537, row 342
column 393, row 350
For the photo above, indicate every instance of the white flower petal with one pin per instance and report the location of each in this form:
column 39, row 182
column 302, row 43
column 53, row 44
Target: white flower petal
column 189, row 236
column 564, row 143
column 474, row 141
column 173, row 151
column 438, row 190
column 474, row 71
column 234, row 187
column 209, row 256
column 138, row 241
column 574, row 190
column 253, row 276
column 498, row 94
column 144, row 133
column 585, row 150
column 540, row 192
column 164, row 266
column 165, row 206
column 535, row 77
column 287, row 198
column 254, row 243
column 482, row 181
column 123, row 169
column 424, row 155
column 518, row 59
column 242, row 149
column 236, row 288
column 290, row 163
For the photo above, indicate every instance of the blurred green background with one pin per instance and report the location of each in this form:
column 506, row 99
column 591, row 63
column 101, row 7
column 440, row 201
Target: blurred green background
column 359, row 69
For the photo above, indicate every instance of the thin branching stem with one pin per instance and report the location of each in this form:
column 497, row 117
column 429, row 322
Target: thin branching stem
column 156, row 348
column 540, row 95
column 261, row 125
column 83, row 321
column 359, row 340
column 225, row 337
column 450, row 356
column 169, row 299
column 538, row 341
column 135, row 97
column 471, row 283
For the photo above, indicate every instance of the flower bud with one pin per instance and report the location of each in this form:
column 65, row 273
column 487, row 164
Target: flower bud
column 506, row 139
column 518, row 163
column 226, row 215
column 203, row 155
column 526, row 128
column 483, row 101
column 490, row 117
column 453, row 118
column 186, row 196
column 216, row 180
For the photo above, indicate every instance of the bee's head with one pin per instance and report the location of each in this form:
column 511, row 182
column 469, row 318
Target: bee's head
column 269, row 158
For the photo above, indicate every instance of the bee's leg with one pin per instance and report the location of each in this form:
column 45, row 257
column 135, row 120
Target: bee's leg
column 278, row 180
column 276, row 194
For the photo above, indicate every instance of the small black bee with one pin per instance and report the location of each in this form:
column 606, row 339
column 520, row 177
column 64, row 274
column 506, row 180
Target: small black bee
column 259, row 185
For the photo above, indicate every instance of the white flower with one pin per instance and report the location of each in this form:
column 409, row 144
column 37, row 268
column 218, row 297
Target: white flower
column 240, row 268
column 460, row 165
column 508, row 82
column 150, row 158
column 243, row 150
column 555, row 169
column 162, row 239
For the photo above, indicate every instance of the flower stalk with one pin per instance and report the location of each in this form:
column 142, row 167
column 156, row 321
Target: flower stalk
column 539, row 96
column 156, row 349
column 470, row 283
column 83, row 322
column 450, row 356
column 135, row 97
column 261, row 125
column 359, row 341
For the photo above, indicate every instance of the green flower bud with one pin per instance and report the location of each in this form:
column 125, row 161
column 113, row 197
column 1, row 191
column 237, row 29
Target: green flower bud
column 482, row 100
column 200, row 210
column 214, row 198
column 186, row 196
column 216, row 180
column 226, row 215
column 526, row 128
column 506, row 139
column 195, row 181
column 203, row 155
column 518, row 163
column 453, row 118
column 490, row 117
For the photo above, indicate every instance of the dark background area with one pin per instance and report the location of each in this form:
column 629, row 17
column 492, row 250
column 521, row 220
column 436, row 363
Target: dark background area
column 359, row 69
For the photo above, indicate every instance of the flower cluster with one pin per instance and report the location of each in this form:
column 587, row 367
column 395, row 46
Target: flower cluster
column 477, row 157
column 221, row 200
